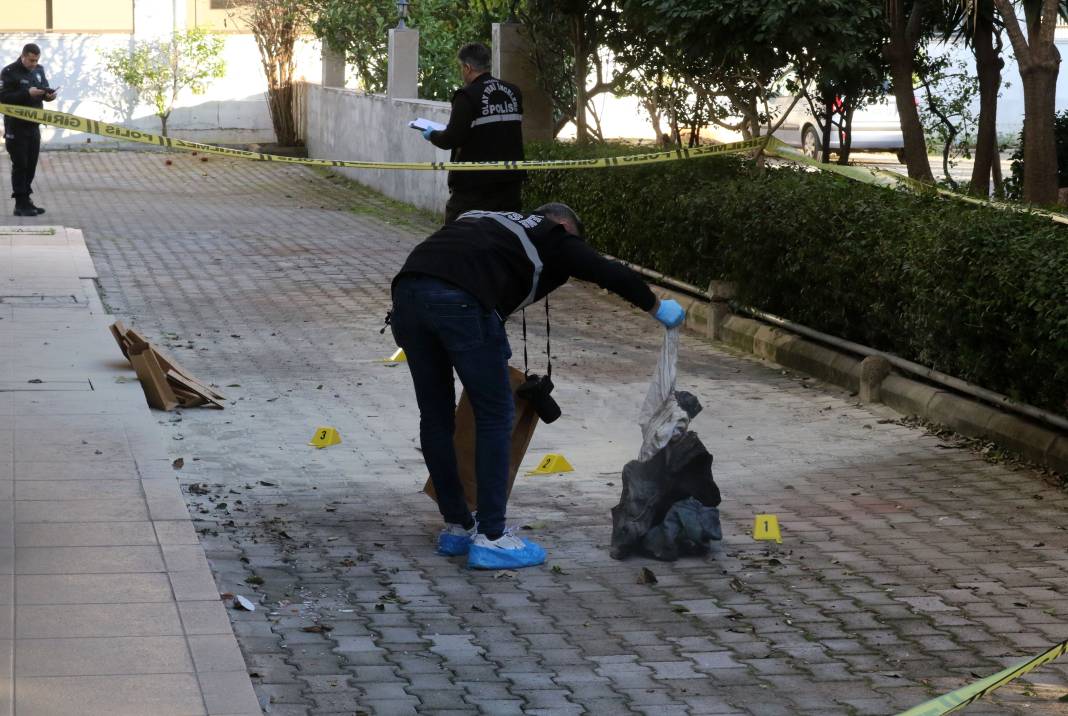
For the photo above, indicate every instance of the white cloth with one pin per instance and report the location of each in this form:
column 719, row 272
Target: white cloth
column 661, row 417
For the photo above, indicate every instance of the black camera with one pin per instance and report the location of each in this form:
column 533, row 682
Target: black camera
column 536, row 391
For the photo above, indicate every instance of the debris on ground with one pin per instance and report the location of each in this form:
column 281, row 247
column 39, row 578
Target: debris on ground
column 243, row 604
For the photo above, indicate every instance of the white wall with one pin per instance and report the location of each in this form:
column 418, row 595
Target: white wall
column 233, row 110
column 347, row 124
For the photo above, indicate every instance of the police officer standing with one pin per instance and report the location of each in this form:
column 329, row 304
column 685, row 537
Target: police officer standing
column 23, row 82
column 486, row 124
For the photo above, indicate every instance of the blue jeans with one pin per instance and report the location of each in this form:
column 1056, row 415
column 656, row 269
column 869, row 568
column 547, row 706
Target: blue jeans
column 441, row 328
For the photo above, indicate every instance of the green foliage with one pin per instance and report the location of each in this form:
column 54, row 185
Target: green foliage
column 360, row 28
column 158, row 71
column 976, row 292
column 718, row 60
column 1014, row 183
column 444, row 26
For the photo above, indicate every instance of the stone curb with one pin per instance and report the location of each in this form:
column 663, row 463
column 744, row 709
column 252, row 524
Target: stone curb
column 1037, row 443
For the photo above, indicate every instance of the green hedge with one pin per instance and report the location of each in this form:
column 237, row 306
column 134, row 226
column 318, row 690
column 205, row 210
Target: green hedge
column 975, row 292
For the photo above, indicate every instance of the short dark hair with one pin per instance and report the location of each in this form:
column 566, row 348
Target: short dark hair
column 562, row 212
column 476, row 55
column 31, row 48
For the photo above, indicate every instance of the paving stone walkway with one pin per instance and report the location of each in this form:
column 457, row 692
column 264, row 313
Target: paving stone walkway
column 909, row 567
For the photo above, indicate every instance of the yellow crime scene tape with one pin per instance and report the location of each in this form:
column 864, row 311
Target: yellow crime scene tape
column 114, row 131
column 770, row 145
column 966, row 695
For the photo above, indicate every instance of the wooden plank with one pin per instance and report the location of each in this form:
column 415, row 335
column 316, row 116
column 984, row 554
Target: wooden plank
column 118, row 332
column 168, row 363
column 189, row 386
column 153, row 381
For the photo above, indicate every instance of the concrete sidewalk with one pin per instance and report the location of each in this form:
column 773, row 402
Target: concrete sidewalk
column 107, row 604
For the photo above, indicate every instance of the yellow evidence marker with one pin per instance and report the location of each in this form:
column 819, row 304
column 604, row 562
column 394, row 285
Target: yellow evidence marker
column 325, row 437
column 397, row 357
column 766, row 527
column 552, row 464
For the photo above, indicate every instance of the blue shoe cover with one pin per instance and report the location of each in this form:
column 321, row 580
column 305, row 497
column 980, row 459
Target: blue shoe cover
column 451, row 544
column 485, row 555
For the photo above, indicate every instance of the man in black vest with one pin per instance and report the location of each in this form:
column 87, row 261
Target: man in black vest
column 23, row 82
column 486, row 124
column 450, row 301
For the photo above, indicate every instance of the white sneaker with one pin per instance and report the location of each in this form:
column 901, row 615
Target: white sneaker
column 505, row 552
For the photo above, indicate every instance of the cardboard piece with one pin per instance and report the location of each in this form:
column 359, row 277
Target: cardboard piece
column 118, row 332
column 157, row 390
column 166, row 384
column 523, row 424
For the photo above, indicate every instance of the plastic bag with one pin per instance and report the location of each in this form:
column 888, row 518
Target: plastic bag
column 674, row 467
column 661, row 417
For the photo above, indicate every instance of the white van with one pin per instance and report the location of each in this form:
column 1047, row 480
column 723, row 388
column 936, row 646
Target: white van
column 876, row 127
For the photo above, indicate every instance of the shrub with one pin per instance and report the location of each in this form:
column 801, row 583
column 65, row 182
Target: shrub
column 976, row 292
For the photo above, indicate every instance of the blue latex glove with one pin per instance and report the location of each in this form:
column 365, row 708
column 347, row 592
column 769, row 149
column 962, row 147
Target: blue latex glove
column 670, row 313
column 427, row 132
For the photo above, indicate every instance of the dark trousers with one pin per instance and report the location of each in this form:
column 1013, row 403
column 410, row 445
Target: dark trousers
column 442, row 328
column 24, row 146
column 508, row 197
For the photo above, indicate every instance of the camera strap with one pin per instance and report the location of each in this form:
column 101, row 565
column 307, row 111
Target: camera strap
column 548, row 344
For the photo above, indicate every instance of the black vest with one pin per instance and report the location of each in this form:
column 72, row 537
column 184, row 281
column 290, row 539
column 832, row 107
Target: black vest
column 496, row 131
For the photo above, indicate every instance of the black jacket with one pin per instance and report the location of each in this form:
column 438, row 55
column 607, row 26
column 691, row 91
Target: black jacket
column 486, row 124
column 485, row 257
column 15, row 84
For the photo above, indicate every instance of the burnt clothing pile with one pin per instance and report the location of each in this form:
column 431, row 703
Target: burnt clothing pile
column 669, row 505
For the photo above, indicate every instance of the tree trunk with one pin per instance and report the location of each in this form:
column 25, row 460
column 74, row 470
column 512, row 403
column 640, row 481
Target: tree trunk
column 901, row 70
column 281, row 106
column 828, row 123
column 845, row 132
column 988, row 70
column 163, row 123
column 1040, row 146
column 1036, row 53
column 582, row 71
column 899, row 52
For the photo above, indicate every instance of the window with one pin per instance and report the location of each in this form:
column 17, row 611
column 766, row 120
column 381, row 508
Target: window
column 68, row 16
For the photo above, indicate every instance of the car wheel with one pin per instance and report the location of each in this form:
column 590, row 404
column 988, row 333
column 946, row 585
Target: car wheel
column 810, row 144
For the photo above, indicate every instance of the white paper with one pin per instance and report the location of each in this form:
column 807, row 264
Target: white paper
column 422, row 124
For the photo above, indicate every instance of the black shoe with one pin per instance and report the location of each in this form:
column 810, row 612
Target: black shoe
column 38, row 209
column 25, row 211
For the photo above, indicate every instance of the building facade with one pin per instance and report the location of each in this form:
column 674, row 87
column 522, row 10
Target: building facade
column 75, row 34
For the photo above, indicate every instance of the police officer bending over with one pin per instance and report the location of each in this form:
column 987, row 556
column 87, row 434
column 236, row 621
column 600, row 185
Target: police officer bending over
column 450, row 300
column 23, row 82
column 486, row 124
